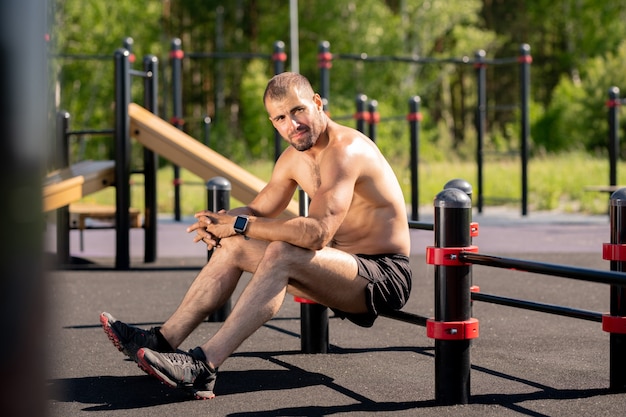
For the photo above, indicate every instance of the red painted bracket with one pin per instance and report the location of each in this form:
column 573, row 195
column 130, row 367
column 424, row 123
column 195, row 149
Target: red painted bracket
column 614, row 252
column 474, row 229
column 447, row 256
column 177, row 54
column 303, row 300
column 414, row 117
column 279, row 56
column 452, row 330
column 614, row 324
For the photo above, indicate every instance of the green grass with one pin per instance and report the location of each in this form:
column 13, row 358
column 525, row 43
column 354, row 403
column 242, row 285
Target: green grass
column 555, row 183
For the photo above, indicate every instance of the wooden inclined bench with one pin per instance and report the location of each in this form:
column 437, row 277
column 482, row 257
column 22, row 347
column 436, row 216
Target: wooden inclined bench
column 181, row 149
column 65, row 186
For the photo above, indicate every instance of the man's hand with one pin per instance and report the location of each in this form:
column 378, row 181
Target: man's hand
column 211, row 227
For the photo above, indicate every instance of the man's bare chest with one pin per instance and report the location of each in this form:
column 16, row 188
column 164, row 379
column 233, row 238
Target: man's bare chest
column 308, row 177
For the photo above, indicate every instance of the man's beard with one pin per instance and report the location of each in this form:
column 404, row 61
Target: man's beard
column 305, row 143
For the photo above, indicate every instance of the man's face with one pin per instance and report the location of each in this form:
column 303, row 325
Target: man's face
column 297, row 119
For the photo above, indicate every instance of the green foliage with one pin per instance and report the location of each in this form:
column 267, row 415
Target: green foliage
column 577, row 48
column 84, row 37
column 258, row 133
column 556, row 183
column 577, row 114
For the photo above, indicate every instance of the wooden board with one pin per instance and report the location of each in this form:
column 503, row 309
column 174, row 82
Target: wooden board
column 176, row 146
column 79, row 213
column 68, row 185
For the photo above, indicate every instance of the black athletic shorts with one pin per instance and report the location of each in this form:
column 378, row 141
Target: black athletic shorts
column 388, row 289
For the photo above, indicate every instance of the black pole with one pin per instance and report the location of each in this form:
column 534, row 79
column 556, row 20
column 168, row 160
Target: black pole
column 218, row 70
column 207, row 130
column 414, row 119
column 453, row 214
column 613, row 105
column 481, row 111
column 122, row 158
column 536, row 306
column 127, row 44
column 544, row 268
column 324, row 62
column 176, row 58
column 360, row 114
column 525, row 60
column 218, row 198
column 313, row 316
column 279, row 57
column 460, row 184
column 63, row 213
column 466, row 187
column 150, row 161
column 373, row 119
column 617, row 366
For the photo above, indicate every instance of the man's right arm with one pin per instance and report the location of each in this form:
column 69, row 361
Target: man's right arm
column 274, row 198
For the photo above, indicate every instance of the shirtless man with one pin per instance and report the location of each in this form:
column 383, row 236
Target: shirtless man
column 350, row 253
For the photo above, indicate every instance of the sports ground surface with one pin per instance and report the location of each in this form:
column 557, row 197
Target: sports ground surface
column 523, row 363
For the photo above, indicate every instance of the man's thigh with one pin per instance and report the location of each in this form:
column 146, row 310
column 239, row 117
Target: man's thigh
column 329, row 277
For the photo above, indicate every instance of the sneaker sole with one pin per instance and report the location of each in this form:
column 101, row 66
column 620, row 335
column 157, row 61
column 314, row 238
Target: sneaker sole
column 143, row 364
column 113, row 337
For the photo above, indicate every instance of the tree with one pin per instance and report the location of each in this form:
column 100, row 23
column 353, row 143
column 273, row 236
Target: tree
column 567, row 38
column 84, row 37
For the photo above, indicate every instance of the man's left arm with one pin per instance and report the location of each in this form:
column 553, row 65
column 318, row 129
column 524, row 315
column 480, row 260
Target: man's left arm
column 327, row 211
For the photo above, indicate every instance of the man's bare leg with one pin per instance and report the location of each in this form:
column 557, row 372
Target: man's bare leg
column 328, row 276
column 265, row 293
column 212, row 287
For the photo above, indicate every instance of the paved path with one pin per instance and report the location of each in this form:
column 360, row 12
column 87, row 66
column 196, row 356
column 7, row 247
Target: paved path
column 523, row 364
column 501, row 230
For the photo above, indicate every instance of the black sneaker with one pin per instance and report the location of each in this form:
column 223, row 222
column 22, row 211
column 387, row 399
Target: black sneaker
column 188, row 371
column 129, row 339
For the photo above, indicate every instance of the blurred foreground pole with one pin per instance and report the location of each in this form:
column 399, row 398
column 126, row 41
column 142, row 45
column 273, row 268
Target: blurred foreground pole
column 23, row 98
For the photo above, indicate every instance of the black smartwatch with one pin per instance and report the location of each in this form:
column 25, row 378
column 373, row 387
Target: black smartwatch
column 241, row 224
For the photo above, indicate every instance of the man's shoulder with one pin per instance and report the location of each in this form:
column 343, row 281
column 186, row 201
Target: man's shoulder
column 339, row 131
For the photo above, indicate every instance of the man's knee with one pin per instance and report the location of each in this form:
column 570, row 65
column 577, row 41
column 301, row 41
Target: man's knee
column 231, row 246
column 283, row 254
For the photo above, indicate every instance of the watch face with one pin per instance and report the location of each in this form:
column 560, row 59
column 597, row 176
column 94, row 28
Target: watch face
column 240, row 224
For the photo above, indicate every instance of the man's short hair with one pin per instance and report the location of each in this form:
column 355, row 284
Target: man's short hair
column 280, row 86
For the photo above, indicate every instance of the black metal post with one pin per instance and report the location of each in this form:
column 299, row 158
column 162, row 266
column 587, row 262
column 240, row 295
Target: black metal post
column 313, row 316
column 150, row 161
column 218, row 198
column 613, row 105
column 127, row 44
column 373, row 119
column 453, row 215
column 63, row 213
column 122, row 158
column 360, row 114
column 207, row 130
column 525, row 60
column 617, row 366
column 466, row 187
column 176, row 59
column 481, row 114
column 279, row 57
column 324, row 62
column 460, row 184
column 414, row 117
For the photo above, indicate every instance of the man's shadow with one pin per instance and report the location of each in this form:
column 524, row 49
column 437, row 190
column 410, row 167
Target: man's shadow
column 101, row 393
column 139, row 391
